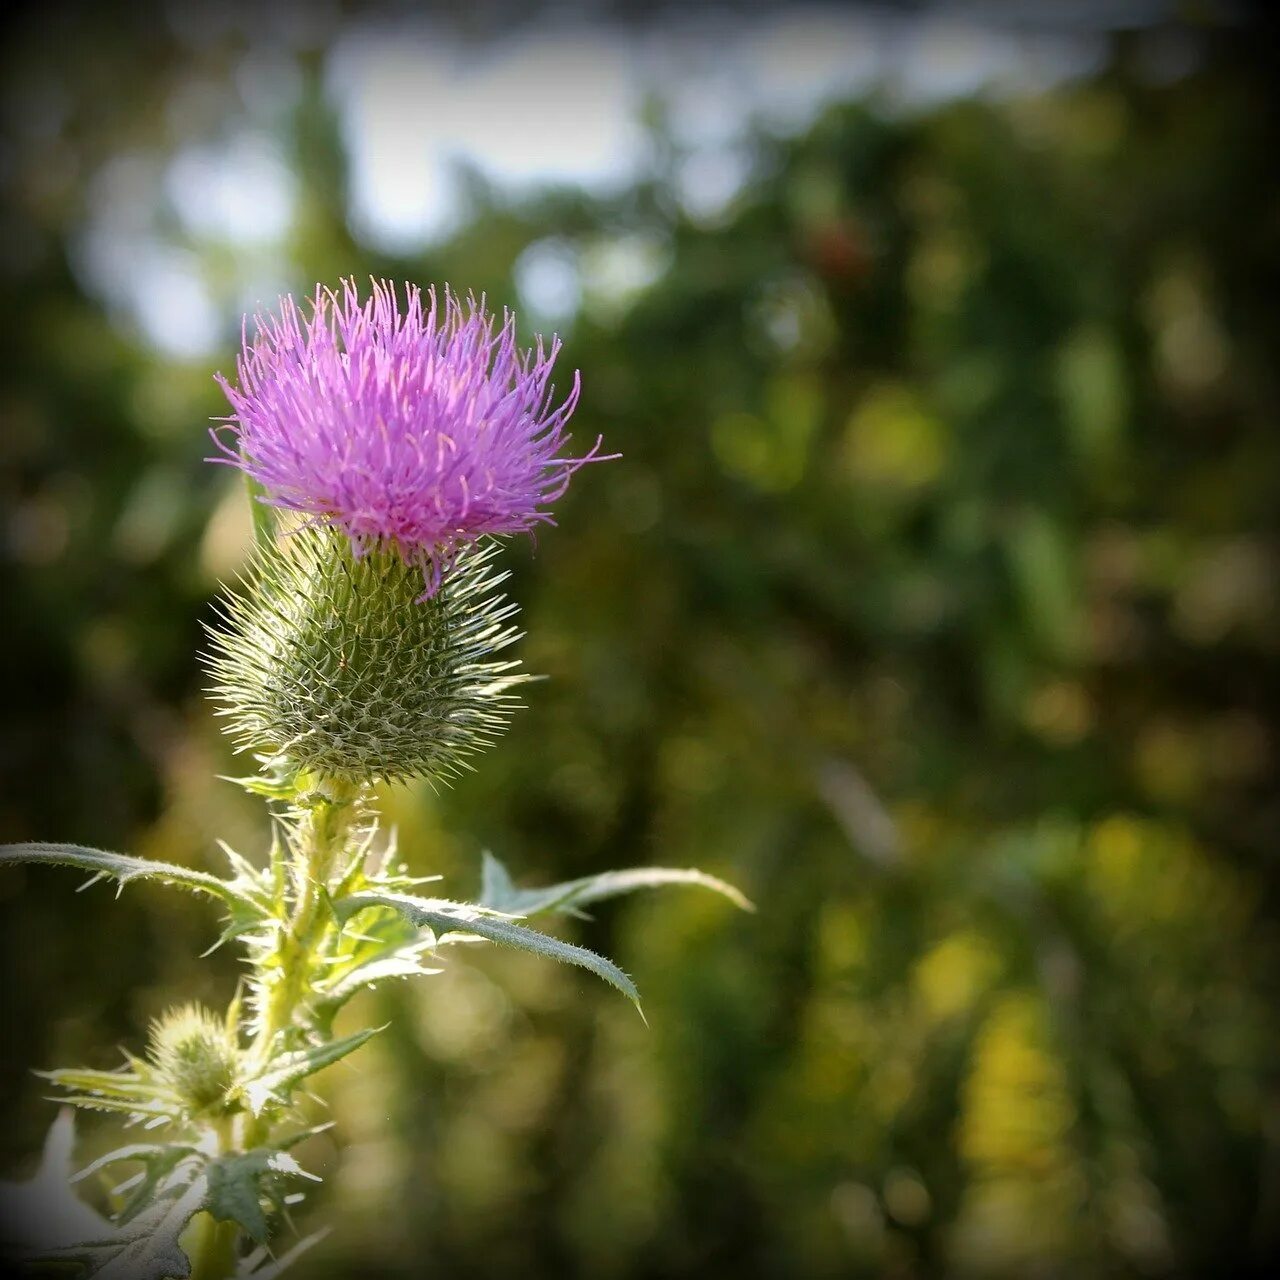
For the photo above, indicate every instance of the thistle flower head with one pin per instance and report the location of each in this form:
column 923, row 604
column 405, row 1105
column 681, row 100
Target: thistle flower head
column 419, row 428
column 328, row 664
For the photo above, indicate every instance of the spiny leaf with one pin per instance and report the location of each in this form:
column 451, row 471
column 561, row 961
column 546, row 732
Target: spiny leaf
column 127, row 1085
column 444, row 917
column 133, row 1092
column 233, row 1197
column 156, row 1170
column 270, row 787
column 138, row 1110
column 259, row 1266
column 284, row 1144
column 146, row 1247
column 234, row 1191
column 145, row 1152
column 500, row 892
column 124, row 868
column 288, row 1070
column 401, row 963
column 236, row 1186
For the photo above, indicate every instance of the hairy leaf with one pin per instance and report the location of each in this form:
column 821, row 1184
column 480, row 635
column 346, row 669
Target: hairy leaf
column 236, row 1186
column 139, row 1151
column 400, row 962
column 234, row 1191
column 158, row 1161
column 284, row 1072
column 443, row 917
column 124, row 868
column 156, row 1111
column 146, row 1247
column 259, row 1265
column 136, row 1093
column 500, row 892
column 124, row 1085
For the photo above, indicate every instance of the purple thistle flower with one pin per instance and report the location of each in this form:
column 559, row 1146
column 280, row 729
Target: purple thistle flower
column 417, row 428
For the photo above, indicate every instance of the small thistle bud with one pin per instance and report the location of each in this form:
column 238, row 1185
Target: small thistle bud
column 332, row 663
column 194, row 1055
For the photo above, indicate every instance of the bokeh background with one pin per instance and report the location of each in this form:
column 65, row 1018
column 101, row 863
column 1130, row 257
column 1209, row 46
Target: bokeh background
column 934, row 602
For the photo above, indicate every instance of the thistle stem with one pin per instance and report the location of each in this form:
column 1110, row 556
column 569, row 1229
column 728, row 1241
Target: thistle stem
column 211, row 1246
column 208, row 1243
column 317, row 841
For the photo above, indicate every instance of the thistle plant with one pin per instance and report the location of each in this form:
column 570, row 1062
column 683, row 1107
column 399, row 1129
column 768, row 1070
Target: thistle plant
column 388, row 447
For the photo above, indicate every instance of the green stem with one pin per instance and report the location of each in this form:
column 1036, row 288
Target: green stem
column 210, row 1244
column 319, row 838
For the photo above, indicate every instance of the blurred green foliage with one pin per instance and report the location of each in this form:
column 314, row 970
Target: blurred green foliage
column 934, row 602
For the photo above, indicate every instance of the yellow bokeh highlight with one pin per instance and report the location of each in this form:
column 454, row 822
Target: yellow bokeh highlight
column 949, row 978
column 1018, row 1107
column 892, row 441
column 1025, row 1187
column 770, row 450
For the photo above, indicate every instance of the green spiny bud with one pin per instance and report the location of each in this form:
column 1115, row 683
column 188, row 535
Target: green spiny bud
column 195, row 1054
column 339, row 666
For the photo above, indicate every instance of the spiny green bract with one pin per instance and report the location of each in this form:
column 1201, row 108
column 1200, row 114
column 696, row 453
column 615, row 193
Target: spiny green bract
column 339, row 666
column 195, row 1054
